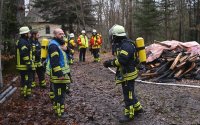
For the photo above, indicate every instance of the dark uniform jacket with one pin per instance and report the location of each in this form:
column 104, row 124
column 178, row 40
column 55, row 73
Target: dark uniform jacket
column 125, row 61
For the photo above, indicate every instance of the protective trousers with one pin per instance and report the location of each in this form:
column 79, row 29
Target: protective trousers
column 59, row 90
column 131, row 102
column 25, row 83
column 41, row 76
column 82, row 54
column 95, row 53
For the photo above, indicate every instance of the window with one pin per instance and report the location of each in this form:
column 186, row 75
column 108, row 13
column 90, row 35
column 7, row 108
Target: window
column 47, row 29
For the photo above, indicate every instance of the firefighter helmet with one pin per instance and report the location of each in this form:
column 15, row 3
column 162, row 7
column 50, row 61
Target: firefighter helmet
column 94, row 31
column 83, row 31
column 117, row 30
column 24, row 30
column 71, row 35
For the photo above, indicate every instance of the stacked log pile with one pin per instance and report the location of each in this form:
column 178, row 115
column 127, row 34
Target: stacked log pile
column 173, row 64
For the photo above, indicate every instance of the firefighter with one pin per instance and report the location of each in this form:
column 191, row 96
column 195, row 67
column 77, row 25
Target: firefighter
column 71, row 45
column 40, row 70
column 95, row 45
column 58, row 69
column 83, row 45
column 127, row 72
column 24, row 61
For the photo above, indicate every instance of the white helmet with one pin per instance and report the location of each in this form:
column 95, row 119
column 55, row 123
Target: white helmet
column 24, row 30
column 117, row 30
column 94, row 31
column 71, row 35
column 83, row 31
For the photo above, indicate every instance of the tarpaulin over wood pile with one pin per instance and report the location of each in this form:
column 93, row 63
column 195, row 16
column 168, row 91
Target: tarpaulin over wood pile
column 169, row 60
column 155, row 50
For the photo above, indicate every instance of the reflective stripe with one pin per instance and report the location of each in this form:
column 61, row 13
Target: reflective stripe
column 24, row 47
column 131, row 111
column 124, row 52
column 128, row 77
column 56, row 69
column 117, row 62
column 26, row 77
column 29, row 91
column 130, row 95
column 64, row 81
column 126, row 111
column 26, row 58
column 54, row 54
column 18, row 57
column 59, row 91
column 62, row 107
column 137, row 106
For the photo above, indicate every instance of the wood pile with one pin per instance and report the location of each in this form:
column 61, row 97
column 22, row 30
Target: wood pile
column 173, row 65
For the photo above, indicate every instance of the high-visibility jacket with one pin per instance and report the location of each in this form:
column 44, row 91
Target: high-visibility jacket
column 82, row 41
column 95, row 41
column 72, row 43
column 57, row 65
column 24, row 54
column 125, row 62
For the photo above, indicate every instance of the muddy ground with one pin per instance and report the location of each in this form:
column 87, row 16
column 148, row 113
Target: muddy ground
column 96, row 100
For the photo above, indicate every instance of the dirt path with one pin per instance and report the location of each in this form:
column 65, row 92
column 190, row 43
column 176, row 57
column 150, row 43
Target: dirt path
column 96, row 100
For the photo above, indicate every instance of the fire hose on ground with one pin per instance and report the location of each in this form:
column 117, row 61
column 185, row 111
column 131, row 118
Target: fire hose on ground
column 165, row 84
column 8, row 92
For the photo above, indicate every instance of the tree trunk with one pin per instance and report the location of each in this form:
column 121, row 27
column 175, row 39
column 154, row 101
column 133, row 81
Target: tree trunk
column 1, row 38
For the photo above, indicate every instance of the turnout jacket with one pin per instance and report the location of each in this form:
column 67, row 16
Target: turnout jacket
column 95, row 41
column 24, row 54
column 125, row 61
column 36, row 47
column 57, row 65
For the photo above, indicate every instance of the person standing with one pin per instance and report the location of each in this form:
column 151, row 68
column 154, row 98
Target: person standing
column 58, row 67
column 71, row 45
column 40, row 69
column 127, row 72
column 25, row 64
column 83, row 45
column 95, row 45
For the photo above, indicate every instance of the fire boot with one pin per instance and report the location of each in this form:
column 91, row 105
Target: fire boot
column 63, row 113
column 128, row 115
column 33, row 84
column 43, row 84
column 138, row 108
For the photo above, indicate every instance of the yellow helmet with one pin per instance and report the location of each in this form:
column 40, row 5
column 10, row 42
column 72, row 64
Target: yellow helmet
column 24, row 30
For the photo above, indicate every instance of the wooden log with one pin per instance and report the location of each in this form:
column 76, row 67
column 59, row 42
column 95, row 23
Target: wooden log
column 9, row 94
column 175, row 61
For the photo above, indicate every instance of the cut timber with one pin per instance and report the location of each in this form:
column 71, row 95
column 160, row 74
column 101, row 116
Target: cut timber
column 183, row 58
column 163, row 68
column 175, row 61
column 180, row 65
column 189, row 69
column 179, row 73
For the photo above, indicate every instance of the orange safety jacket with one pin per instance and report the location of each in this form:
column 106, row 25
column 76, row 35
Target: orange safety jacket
column 95, row 41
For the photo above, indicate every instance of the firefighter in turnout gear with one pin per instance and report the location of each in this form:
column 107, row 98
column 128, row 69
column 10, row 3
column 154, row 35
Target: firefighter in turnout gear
column 58, row 68
column 24, row 61
column 127, row 72
column 83, row 45
column 40, row 70
column 71, row 45
column 95, row 45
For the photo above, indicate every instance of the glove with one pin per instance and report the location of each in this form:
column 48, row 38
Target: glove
column 108, row 63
